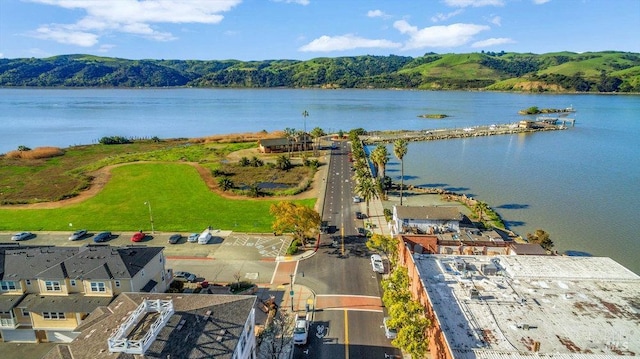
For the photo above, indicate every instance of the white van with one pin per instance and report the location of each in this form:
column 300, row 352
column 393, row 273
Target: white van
column 205, row 237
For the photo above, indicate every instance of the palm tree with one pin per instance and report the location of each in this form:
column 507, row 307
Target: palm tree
column 481, row 208
column 368, row 190
column 316, row 133
column 225, row 183
column 380, row 157
column 290, row 133
column 400, row 149
column 305, row 114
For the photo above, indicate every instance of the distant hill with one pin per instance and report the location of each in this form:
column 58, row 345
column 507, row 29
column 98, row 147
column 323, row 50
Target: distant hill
column 608, row 71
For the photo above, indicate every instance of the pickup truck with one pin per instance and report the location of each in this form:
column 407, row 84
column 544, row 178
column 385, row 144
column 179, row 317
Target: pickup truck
column 301, row 330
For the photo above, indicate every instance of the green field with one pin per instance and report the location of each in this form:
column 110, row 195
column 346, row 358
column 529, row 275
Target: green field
column 180, row 202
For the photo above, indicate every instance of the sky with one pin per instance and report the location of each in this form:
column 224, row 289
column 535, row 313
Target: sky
column 304, row 29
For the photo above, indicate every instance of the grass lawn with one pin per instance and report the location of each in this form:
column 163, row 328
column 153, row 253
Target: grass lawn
column 180, row 202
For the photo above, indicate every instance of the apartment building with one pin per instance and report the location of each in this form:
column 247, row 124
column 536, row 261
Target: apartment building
column 46, row 292
column 154, row 325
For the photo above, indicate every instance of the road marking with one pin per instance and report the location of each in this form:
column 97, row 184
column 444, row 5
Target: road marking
column 346, row 334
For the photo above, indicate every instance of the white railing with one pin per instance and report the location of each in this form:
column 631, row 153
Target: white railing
column 118, row 342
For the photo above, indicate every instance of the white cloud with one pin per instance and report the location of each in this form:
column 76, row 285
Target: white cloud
column 376, row 13
column 540, row 2
column 1, row 55
column 129, row 16
column 105, row 48
column 474, row 3
column 65, row 35
column 301, row 2
column 345, row 42
column 442, row 17
column 438, row 36
column 496, row 20
column 493, row 42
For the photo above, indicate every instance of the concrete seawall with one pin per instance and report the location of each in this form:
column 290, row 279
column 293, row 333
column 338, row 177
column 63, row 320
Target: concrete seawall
column 445, row 134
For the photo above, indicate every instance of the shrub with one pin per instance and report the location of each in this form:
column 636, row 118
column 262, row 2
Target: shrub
column 37, row 153
column 293, row 247
column 114, row 140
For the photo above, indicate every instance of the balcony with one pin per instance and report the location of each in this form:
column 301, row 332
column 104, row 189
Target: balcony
column 8, row 323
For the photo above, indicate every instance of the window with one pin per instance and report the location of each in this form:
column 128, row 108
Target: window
column 72, row 282
column 52, row 286
column 98, row 287
column 53, row 316
column 28, row 281
column 117, row 284
column 25, row 312
column 7, row 285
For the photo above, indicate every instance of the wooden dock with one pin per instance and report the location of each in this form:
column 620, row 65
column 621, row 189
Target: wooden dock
column 525, row 126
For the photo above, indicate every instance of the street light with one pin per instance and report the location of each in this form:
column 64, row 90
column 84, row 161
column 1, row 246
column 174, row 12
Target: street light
column 150, row 216
column 291, row 289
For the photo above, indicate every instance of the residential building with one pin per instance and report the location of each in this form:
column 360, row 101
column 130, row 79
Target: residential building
column 303, row 142
column 167, row 326
column 526, row 306
column 425, row 219
column 46, row 292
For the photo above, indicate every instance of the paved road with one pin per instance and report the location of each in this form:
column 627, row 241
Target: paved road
column 348, row 318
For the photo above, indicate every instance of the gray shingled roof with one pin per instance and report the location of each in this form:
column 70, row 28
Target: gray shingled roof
column 75, row 302
column 9, row 301
column 196, row 338
column 447, row 213
column 87, row 262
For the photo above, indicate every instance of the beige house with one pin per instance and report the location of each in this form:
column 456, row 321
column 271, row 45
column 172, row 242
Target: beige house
column 46, row 292
column 425, row 219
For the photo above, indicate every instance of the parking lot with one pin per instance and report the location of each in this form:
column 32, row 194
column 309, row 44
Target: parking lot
column 226, row 258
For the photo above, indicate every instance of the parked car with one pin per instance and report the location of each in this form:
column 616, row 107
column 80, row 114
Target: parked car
column 21, row 236
column 138, row 236
column 359, row 215
column 357, row 199
column 389, row 332
column 184, row 277
column 301, row 330
column 376, row 263
column 361, row 232
column 102, row 237
column 204, row 237
column 78, row 235
column 175, row 238
column 193, row 237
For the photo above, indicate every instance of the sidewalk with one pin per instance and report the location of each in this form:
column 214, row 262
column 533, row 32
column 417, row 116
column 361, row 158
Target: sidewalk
column 376, row 217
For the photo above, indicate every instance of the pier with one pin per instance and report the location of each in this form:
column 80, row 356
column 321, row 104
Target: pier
column 525, row 126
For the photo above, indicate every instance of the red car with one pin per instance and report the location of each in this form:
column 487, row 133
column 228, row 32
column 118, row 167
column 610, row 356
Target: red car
column 139, row 236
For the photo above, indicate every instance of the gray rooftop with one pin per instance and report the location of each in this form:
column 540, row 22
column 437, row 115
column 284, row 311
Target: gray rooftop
column 86, row 262
column 74, row 302
column 199, row 336
column 448, row 213
column 574, row 307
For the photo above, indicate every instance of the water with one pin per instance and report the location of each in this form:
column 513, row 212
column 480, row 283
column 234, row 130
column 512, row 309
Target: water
column 579, row 185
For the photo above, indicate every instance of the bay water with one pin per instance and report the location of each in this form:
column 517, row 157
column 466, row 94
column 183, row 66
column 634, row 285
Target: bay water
column 581, row 185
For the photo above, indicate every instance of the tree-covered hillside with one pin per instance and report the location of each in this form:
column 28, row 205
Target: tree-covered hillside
column 555, row 72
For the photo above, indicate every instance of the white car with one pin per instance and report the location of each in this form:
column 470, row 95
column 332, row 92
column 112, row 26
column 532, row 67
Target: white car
column 357, row 199
column 376, row 263
column 301, row 331
column 78, row 235
column 193, row 237
column 21, row 236
column 204, row 237
column 390, row 333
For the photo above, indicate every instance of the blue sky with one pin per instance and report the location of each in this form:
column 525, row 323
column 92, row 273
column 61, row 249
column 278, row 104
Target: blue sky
column 305, row 29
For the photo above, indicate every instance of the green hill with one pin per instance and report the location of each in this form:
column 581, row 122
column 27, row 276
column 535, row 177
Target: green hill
column 606, row 71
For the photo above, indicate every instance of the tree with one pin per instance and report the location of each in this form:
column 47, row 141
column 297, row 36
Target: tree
column 290, row 133
column 480, row 208
column 316, row 133
column 290, row 217
column 542, row 238
column 386, row 244
column 305, row 114
column 380, row 157
column 367, row 189
column 400, row 149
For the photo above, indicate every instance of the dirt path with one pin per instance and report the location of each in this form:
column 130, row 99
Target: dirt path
column 102, row 176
